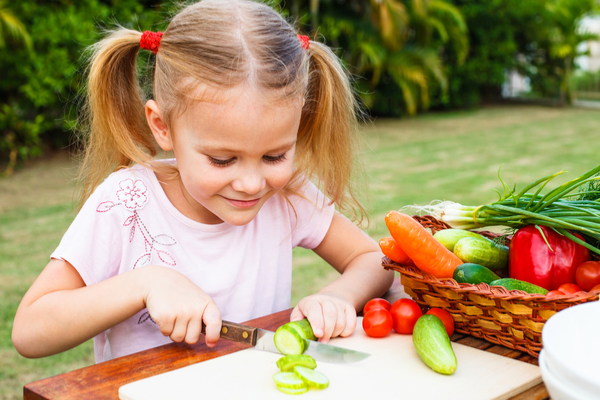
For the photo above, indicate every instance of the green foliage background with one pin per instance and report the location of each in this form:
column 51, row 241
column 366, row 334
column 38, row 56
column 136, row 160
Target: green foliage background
column 407, row 56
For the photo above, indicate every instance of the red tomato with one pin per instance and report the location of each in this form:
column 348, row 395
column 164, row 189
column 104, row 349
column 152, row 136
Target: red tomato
column 445, row 317
column 597, row 287
column 588, row 275
column 569, row 288
column 554, row 293
column 378, row 323
column 405, row 313
column 374, row 304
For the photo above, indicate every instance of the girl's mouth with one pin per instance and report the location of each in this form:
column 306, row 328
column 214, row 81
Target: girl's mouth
column 243, row 203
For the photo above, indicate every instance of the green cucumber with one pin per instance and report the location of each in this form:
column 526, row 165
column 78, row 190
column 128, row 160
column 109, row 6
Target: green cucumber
column 312, row 378
column 474, row 274
column 290, row 338
column 303, row 328
column 288, row 341
column 483, row 252
column 433, row 344
column 515, row 284
column 289, row 381
column 287, row 363
column 449, row 237
column 292, row 391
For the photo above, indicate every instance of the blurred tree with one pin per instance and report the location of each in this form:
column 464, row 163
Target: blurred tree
column 565, row 36
column 394, row 47
column 40, row 89
column 12, row 28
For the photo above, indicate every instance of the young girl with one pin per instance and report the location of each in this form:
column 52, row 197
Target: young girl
column 254, row 114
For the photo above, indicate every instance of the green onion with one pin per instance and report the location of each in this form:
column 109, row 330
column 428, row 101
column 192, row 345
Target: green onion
column 556, row 209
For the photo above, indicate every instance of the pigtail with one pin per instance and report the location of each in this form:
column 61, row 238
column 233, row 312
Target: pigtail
column 328, row 133
column 113, row 125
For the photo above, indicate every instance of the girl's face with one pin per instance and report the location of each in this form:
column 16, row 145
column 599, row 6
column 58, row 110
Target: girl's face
column 234, row 155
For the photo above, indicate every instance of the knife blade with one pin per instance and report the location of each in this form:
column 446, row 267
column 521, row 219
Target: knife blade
column 264, row 340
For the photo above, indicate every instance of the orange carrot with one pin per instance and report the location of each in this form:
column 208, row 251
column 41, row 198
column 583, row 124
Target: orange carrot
column 390, row 248
column 428, row 254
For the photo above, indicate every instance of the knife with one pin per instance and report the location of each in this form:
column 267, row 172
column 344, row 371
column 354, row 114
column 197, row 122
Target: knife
column 264, row 340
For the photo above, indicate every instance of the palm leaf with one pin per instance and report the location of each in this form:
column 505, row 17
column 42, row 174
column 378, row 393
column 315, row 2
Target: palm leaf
column 12, row 27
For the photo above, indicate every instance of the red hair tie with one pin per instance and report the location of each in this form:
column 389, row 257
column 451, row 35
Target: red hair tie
column 150, row 41
column 304, row 41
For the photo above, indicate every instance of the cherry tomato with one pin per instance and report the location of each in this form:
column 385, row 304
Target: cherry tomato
column 378, row 323
column 597, row 287
column 588, row 275
column 569, row 288
column 405, row 313
column 554, row 293
column 374, row 304
column 445, row 317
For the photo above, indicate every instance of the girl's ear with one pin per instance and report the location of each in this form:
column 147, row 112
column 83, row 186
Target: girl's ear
column 158, row 126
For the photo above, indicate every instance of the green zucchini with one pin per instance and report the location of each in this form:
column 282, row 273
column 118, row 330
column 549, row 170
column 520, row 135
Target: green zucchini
column 449, row 237
column 433, row 344
column 483, row 252
column 474, row 274
column 515, row 284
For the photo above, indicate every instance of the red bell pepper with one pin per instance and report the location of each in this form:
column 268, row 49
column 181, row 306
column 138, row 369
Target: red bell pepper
column 531, row 260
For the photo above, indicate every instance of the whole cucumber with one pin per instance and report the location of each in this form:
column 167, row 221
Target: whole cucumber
column 474, row 274
column 449, row 237
column 433, row 344
column 483, row 252
column 515, row 284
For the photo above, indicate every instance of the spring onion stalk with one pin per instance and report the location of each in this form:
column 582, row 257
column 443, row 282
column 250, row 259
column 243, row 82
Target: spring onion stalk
column 559, row 209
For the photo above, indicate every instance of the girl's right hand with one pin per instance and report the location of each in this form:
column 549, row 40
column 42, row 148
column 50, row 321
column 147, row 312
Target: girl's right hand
column 178, row 307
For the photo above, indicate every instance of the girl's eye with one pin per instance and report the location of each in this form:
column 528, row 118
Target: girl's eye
column 274, row 159
column 221, row 163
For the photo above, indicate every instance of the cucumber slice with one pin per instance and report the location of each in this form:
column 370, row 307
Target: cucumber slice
column 303, row 328
column 312, row 378
column 287, row 363
column 288, row 340
column 293, row 391
column 289, row 380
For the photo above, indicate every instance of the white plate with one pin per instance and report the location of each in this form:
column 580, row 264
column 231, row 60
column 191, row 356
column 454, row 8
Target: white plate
column 571, row 341
column 559, row 389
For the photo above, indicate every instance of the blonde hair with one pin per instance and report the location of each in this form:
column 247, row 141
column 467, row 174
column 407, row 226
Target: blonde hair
column 221, row 44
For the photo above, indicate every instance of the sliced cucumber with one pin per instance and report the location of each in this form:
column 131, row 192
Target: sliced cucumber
column 293, row 391
column 287, row 363
column 288, row 341
column 303, row 328
column 311, row 377
column 289, row 380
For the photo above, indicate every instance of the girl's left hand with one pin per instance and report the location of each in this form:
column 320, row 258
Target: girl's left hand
column 329, row 315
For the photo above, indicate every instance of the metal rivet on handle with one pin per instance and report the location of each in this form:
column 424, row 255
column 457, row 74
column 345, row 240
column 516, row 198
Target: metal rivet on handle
column 245, row 335
column 224, row 329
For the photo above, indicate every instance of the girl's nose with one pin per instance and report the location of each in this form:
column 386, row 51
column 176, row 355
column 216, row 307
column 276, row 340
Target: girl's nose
column 249, row 181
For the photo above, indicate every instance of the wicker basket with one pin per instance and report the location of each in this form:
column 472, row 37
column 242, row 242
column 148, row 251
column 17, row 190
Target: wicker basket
column 509, row 318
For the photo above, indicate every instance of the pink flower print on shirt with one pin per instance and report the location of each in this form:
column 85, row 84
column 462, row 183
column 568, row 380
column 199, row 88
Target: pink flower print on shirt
column 132, row 196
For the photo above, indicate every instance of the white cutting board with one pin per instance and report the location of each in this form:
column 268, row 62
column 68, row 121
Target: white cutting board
column 393, row 370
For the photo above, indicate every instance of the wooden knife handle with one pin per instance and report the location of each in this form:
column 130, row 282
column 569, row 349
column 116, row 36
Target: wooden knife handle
column 236, row 332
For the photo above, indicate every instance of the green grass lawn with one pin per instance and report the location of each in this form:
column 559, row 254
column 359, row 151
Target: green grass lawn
column 450, row 156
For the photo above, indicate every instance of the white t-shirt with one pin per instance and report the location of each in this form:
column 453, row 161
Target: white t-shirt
column 128, row 222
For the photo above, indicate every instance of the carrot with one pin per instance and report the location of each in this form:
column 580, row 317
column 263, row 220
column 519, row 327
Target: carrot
column 390, row 248
column 428, row 254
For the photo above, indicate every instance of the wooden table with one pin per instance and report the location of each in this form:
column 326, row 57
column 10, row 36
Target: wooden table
column 102, row 381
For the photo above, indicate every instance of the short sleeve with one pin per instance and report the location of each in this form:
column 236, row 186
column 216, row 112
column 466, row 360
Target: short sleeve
column 93, row 244
column 310, row 215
